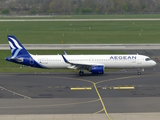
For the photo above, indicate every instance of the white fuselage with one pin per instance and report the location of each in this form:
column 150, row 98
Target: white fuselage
column 108, row 61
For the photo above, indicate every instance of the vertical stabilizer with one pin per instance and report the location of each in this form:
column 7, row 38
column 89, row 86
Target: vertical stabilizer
column 16, row 47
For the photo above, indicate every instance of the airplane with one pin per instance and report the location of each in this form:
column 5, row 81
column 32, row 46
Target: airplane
column 92, row 63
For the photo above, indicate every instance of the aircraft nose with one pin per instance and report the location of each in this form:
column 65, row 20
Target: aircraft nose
column 154, row 63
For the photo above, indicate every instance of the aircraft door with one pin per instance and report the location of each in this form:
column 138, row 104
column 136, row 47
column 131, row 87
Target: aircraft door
column 139, row 61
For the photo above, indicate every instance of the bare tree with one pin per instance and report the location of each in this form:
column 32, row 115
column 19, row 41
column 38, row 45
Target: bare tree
column 80, row 6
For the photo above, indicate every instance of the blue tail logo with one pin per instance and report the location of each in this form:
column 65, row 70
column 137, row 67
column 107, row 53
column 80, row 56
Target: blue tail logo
column 16, row 47
column 20, row 54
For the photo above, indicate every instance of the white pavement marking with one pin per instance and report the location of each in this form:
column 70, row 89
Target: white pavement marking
column 14, row 93
column 36, row 20
column 86, row 46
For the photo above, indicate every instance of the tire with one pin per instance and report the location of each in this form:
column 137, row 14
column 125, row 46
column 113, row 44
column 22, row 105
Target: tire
column 81, row 73
column 138, row 73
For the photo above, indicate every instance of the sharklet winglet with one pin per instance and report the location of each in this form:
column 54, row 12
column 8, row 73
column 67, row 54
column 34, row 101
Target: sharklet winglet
column 65, row 60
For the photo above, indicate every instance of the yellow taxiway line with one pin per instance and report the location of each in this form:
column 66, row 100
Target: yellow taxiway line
column 104, row 108
column 96, row 92
column 123, row 87
column 81, row 88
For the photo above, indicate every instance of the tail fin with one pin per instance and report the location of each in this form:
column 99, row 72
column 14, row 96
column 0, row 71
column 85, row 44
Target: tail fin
column 16, row 47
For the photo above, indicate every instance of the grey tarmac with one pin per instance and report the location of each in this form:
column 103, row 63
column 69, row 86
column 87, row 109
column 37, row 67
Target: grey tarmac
column 50, row 94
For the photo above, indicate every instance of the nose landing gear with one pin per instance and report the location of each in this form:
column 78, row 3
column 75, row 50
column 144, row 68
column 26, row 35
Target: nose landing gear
column 139, row 73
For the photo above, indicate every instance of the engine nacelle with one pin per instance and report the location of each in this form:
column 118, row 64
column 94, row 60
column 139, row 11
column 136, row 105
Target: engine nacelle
column 97, row 69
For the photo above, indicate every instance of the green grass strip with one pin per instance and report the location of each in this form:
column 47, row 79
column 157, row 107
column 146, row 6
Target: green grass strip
column 104, row 32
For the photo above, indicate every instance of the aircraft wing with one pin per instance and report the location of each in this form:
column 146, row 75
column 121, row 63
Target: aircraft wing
column 85, row 66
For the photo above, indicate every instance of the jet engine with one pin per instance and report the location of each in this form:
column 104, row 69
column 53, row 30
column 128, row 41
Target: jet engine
column 97, row 69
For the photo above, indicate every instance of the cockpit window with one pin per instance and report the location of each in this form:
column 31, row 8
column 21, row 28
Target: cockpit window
column 147, row 59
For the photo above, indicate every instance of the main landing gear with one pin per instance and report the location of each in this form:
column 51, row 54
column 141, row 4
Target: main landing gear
column 81, row 73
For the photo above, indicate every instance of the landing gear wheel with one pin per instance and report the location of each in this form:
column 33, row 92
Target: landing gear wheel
column 81, row 73
column 138, row 73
